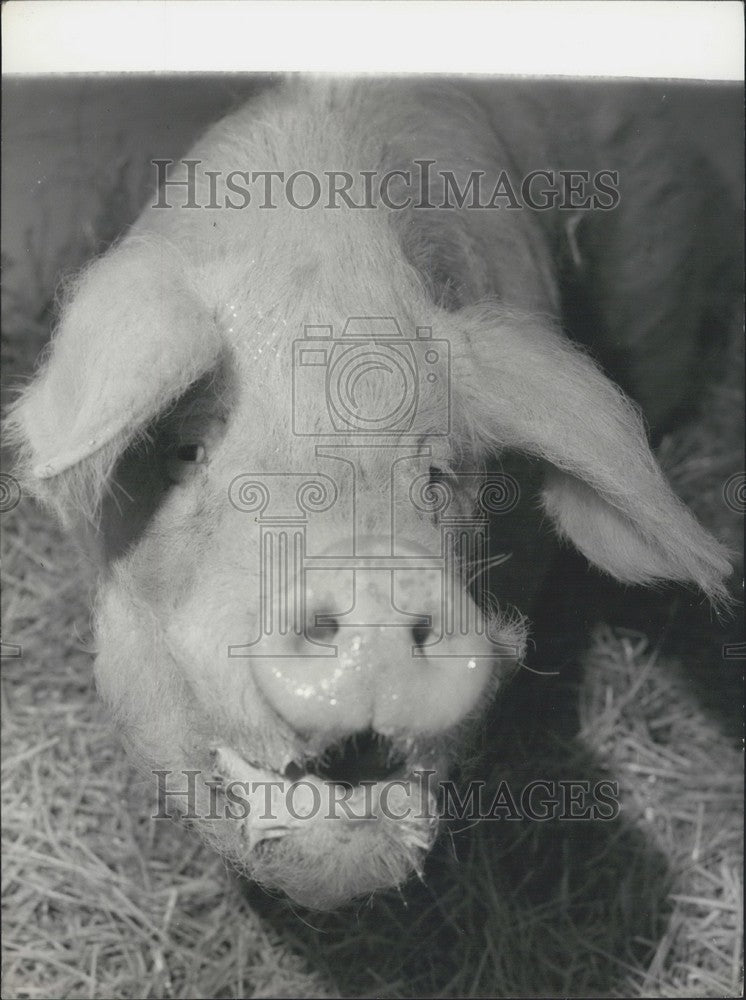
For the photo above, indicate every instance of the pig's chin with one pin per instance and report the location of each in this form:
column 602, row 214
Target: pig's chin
column 323, row 843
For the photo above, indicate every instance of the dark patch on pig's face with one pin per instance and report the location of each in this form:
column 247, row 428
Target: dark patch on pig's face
column 172, row 454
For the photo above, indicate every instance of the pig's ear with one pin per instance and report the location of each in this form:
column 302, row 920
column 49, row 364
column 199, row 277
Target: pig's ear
column 131, row 339
column 520, row 384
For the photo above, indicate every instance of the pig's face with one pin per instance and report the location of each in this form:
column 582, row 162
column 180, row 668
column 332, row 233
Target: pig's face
column 291, row 610
column 292, row 507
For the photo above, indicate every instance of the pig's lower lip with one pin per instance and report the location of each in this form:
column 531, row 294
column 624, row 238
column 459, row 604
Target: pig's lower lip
column 322, row 842
column 294, row 801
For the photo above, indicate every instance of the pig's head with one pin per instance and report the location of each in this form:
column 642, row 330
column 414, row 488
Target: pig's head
column 274, row 427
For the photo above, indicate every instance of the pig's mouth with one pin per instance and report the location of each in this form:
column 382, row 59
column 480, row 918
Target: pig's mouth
column 360, row 757
column 359, row 778
column 358, row 816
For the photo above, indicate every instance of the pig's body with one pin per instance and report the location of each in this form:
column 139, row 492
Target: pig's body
column 286, row 600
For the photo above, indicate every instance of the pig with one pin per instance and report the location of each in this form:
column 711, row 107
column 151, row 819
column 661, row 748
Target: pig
column 274, row 411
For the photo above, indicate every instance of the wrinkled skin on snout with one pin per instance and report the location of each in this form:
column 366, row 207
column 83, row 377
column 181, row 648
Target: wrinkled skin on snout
column 299, row 611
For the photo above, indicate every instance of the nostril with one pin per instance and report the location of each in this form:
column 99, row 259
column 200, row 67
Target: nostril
column 323, row 629
column 421, row 632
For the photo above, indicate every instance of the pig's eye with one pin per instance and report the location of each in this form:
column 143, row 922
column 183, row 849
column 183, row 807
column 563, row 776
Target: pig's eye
column 438, row 475
column 183, row 460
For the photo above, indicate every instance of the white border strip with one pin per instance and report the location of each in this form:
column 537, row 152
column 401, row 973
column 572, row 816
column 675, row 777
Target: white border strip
column 622, row 38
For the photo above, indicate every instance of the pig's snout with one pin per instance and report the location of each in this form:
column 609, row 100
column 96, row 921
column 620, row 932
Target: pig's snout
column 393, row 656
column 373, row 681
